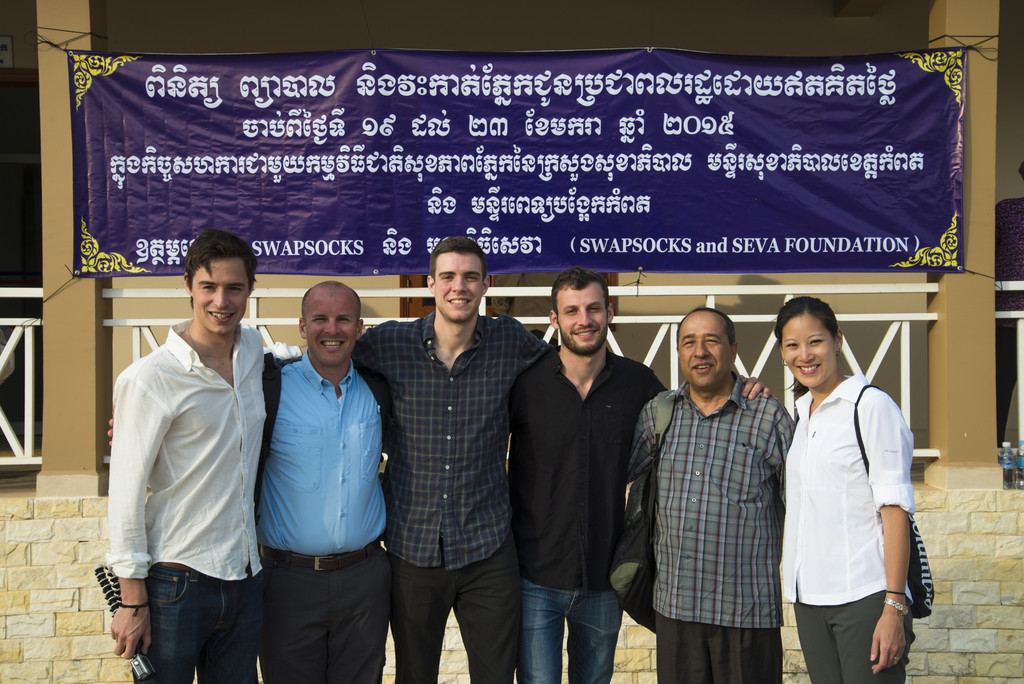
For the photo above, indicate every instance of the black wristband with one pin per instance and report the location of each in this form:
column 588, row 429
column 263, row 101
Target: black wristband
column 136, row 608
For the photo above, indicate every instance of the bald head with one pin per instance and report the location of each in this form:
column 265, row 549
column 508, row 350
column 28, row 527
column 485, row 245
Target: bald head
column 332, row 288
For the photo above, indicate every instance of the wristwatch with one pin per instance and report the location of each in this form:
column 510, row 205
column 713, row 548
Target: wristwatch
column 901, row 608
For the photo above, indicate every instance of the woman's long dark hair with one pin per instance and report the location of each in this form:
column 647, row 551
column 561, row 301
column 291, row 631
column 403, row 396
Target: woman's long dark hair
column 805, row 306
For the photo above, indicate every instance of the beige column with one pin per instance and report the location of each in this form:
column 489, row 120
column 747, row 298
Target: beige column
column 961, row 343
column 76, row 346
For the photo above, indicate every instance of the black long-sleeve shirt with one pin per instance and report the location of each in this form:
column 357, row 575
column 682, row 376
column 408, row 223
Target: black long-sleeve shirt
column 567, row 468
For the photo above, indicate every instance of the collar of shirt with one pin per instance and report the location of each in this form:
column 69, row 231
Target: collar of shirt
column 427, row 330
column 317, row 381
column 555, row 364
column 849, row 389
column 185, row 352
column 736, row 396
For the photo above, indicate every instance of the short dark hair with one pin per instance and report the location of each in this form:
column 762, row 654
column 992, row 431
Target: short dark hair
column 577, row 278
column 334, row 285
column 459, row 245
column 218, row 244
column 730, row 327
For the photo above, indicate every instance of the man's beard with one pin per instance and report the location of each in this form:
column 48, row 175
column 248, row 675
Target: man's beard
column 590, row 348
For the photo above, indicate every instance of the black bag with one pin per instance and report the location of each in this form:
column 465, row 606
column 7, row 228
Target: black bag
column 919, row 572
column 633, row 569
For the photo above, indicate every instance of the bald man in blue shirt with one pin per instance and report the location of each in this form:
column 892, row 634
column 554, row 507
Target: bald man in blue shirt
column 327, row 582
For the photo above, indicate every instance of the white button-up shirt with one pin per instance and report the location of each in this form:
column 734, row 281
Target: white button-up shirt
column 194, row 440
column 832, row 545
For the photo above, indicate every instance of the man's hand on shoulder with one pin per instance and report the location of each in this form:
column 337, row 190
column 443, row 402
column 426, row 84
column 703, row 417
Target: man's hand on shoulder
column 752, row 387
column 284, row 353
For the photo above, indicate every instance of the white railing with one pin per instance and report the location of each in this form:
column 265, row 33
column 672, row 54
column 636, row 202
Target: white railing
column 23, row 338
column 666, row 331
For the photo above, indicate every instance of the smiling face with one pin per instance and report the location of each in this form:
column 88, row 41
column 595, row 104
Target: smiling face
column 811, row 353
column 705, row 354
column 458, row 286
column 219, row 295
column 331, row 325
column 582, row 317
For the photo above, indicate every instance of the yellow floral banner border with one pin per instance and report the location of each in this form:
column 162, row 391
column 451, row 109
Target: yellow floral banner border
column 951, row 65
column 95, row 261
column 948, row 63
column 88, row 67
column 943, row 255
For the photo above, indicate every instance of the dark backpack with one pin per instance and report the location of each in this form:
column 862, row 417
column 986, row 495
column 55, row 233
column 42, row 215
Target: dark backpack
column 919, row 572
column 633, row 569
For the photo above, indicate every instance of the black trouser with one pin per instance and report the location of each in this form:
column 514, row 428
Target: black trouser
column 1006, row 376
column 486, row 599
column 325, row 625
column 696, row 653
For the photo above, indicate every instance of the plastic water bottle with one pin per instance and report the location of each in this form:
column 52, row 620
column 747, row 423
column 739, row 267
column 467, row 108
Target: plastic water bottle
column 1020, row 466
column 1007, row 460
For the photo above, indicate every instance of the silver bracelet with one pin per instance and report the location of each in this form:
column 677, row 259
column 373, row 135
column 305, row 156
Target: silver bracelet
column 900, row 607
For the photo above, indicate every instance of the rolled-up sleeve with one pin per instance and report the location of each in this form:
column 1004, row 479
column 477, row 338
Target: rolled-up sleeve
column 139, row 430
column 889, row 444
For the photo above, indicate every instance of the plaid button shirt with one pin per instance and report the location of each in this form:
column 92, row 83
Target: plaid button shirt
column 718, row 534
column 445, row 484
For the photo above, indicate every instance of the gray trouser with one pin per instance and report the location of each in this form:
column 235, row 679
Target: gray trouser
column 836, row 642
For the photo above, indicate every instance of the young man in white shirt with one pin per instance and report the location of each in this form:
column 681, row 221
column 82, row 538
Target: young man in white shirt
column 189, row 426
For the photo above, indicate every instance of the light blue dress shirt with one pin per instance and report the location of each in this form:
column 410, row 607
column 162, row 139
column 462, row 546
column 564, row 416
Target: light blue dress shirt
column 321, row 491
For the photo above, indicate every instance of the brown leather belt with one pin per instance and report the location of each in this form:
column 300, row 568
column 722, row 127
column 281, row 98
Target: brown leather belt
column 193, row 574
column 173, row 566
column 337, row 561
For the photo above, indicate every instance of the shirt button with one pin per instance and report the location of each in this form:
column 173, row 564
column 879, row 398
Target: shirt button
column 449, row 408
column 700, row 446
column 449, row 438
column 447, row 467
column 693, row 500
column 451, row 379
column 444, row 496
column 696, row 472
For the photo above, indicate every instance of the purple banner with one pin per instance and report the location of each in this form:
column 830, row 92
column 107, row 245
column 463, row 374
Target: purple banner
column 357, row 163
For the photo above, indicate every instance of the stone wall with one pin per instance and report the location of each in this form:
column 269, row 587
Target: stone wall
column 54, row 626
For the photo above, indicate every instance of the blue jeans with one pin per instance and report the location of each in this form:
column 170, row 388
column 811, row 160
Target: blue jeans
column 594, row 618
column 202, row 626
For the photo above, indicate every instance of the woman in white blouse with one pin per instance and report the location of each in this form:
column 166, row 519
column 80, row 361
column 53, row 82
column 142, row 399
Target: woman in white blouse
column 846, row 543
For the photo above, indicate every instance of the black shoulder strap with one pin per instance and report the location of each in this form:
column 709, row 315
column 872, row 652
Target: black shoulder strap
column 856, row 427
column 662, row 416
column 271, row 400
column 663, row 410
column 380, row 388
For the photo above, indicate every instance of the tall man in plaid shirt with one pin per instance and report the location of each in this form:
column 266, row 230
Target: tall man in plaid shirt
column 448, row 514
column 718, row 529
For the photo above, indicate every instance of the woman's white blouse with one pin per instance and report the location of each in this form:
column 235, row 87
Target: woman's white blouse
column 832, row 546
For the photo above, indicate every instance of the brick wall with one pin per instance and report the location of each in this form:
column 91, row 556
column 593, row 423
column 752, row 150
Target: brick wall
column 54, row 626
